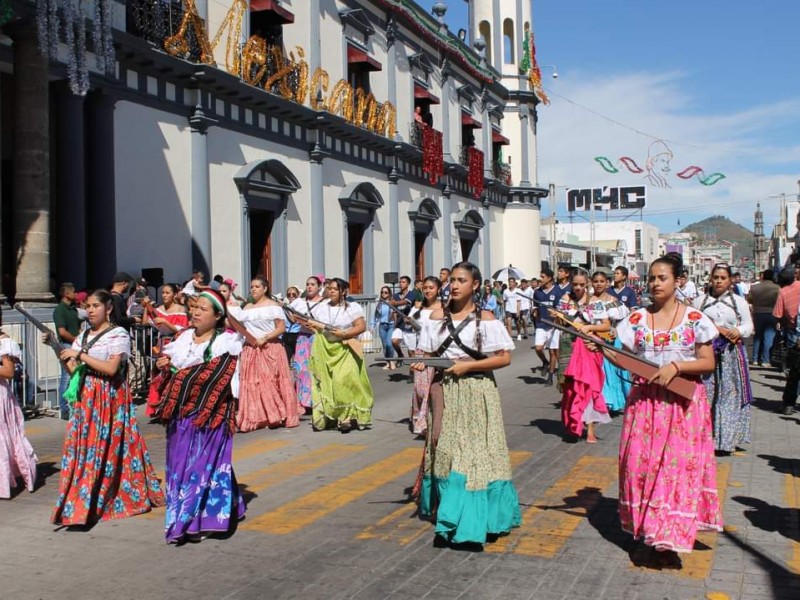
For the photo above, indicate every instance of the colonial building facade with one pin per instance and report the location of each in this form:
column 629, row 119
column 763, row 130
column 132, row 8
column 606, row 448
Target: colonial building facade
column 344, row 137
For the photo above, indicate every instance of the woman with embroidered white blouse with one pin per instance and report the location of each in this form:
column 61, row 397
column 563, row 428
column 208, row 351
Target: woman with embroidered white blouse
column 466, row 480
column 197, row 404
column 267, row 396
column 340, row 390
column 728, row 389
column 106, row 471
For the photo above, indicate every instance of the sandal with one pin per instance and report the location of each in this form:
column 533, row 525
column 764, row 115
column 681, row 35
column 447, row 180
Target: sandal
column 591, row 439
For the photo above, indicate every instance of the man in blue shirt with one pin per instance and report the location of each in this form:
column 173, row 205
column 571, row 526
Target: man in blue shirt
column 563, row 275
column 546, row 337
column 444, row 290
column 620, row 290
column 404, row 302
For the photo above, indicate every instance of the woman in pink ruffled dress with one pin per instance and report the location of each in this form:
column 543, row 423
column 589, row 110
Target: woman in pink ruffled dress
column 17, row 458
column 667, row 469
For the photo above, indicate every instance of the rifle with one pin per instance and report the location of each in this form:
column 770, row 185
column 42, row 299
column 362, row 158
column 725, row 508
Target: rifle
column 51, row 339
column 354, row 343
column 680, row 385
column 407, row 318
column 437, row 362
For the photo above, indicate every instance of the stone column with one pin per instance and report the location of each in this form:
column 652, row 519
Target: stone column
column 447, row 142
column 101, row 240
column 200, row 196
column 317, row 155
column 394, row 217
column 486, row 242
column 31, row 197
column 70, row 189
column 391, row 54
column 314, row 51
column 524, row 126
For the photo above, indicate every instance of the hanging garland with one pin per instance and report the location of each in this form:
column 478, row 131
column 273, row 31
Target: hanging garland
column 532, row 66
column 432, row 153
column 73, row 20
column 475, row 170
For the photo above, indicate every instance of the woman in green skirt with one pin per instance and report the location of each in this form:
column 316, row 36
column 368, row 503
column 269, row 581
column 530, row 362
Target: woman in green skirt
column 341, row 393
column 466, row 484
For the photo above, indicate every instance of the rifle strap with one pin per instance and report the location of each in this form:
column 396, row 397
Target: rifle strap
column 454, row 338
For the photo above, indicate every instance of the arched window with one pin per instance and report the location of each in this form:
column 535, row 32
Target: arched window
column 468, row 224
column 485, row 31
column 508, row 42
column 423, row 214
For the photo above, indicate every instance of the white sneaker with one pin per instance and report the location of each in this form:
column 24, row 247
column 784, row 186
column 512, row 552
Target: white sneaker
column 519, row 337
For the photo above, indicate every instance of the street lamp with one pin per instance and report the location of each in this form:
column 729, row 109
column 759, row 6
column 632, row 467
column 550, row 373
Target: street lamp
column 555, row 70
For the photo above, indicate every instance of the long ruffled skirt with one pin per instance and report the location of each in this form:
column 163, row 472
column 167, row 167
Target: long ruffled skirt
column 729, row 393
column 617, row 386
column 17, row 458
column 667, row 469
column 202, row 493
column 106, row 471
column 341, row 391
column 466, row 483
column 266, row 390
column 302, row 374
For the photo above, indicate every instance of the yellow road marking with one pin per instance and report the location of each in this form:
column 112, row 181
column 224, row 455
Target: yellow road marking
column 33, row 431
column 304, row 511
column 792, row 494
column 544, row 532
column 403, row 527
column 697, row 564
column 248, row 450
column 279, row 472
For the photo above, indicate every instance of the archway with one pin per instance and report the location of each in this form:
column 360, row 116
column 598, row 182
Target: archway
column 264, row 189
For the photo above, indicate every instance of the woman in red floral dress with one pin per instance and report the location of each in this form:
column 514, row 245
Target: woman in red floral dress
column 106, row 472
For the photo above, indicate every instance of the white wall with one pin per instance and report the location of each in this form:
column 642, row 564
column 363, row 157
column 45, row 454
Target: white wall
column 521, row 243
column 152, row 190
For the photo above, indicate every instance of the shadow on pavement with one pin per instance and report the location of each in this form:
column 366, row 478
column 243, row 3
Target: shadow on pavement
column 549, row 426
column 531, row 379
column 790, row 466
column 768, row 405
column 769, row 517
column 785, row 584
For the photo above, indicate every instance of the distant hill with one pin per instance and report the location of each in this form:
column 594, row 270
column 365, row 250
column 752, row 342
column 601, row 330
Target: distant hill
column 722, row 228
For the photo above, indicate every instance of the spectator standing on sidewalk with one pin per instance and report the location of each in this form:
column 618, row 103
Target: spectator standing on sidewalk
column 786, row 312
column 120, row 287
column 68, row 326
column 762, row 298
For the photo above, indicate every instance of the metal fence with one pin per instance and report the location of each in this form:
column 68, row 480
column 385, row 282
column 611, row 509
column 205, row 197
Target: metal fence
column 37, row 382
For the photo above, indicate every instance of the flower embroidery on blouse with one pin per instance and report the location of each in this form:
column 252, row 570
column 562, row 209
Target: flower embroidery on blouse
column 695, row 316
column 661, row 339
column 635, row 318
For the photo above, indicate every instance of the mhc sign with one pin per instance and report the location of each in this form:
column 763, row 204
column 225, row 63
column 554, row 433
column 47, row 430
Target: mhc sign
column 607, row 198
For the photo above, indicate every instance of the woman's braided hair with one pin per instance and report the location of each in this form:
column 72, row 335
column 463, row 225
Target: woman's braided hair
column 475, row 273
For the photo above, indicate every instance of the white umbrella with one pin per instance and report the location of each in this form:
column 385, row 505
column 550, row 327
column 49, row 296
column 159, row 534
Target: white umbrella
column 509, row 271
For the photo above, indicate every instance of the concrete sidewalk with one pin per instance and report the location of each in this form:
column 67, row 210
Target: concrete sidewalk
column 328, row 518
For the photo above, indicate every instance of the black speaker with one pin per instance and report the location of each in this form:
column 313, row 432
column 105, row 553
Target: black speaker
column 154, row 276
column 391, row 277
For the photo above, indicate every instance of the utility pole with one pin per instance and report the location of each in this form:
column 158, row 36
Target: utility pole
column 553, row 242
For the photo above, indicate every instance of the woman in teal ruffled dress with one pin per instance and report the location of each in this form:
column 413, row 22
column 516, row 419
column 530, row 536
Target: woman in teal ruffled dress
column 466, row 483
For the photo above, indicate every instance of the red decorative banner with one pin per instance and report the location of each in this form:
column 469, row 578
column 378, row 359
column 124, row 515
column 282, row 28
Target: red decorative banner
column 475, row 170
column 432, row 153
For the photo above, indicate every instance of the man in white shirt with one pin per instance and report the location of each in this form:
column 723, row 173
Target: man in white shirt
column 512, row 302
column 195, row 285
column 686, row 291
column 525, row 292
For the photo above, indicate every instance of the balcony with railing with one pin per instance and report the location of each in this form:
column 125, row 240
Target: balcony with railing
column 415, row 135
column 502, row 172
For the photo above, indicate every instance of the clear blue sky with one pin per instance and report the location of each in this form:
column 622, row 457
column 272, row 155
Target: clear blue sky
column 726, row 80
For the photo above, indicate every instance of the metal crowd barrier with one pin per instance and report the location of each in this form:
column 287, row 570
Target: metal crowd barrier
column 370, row 339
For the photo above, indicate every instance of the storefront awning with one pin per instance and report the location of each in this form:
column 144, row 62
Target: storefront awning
column 423, row 95
column 280, row 13
column 499, row 138
column 470, row 121
column 357, row 56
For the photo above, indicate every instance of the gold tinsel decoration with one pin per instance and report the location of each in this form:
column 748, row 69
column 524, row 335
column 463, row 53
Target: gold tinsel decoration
column 254, row 56
column 319, row 80
column 302, row 77
column 251, row 63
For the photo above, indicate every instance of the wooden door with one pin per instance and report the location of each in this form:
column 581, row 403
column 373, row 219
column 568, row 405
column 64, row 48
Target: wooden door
column 419, row 254
column 355, row 255
column 261, row 223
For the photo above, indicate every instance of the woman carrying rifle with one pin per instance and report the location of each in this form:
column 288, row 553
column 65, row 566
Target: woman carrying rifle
column 199, row 410
column 266, row 389
column 106, row 471
column 728, row 389
column 582, row 400
column 305, row 337
column 466, row 484
column 668, row 482
column 341, row 392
